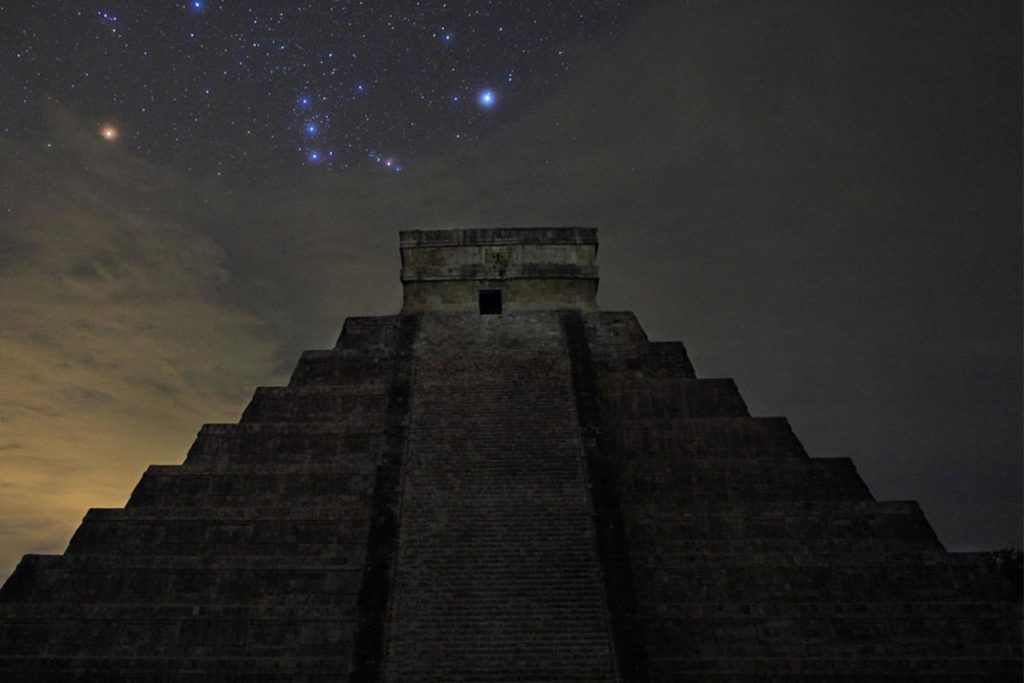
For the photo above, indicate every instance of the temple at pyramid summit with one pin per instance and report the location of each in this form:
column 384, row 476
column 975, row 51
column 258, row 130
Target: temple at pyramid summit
column 503, row 482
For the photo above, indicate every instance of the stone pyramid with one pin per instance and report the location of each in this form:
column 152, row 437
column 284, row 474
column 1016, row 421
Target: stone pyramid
column 504, row 483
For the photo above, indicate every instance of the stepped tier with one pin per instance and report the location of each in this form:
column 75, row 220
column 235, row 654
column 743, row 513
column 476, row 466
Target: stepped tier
column 527, row 495
column 244, row 562
column 751, row 560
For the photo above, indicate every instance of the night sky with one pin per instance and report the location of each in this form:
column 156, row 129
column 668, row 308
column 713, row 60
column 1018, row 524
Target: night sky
column 820, row 199
column 256, row 89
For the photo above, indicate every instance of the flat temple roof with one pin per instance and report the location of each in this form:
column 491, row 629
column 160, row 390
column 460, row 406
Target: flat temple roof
column 484, row 236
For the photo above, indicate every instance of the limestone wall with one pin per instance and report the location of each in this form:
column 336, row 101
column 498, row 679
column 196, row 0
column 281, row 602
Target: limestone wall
column 533, row 268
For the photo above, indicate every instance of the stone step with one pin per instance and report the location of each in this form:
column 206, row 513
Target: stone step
column 683, row 483
column 928, row 558
column 610, row 332
column 300, row 443
column 852, row 610
column 363, row 411
column 103, row 563
column 902, row 577
column 708, row 437
column 319, row 668
column 179, row 630
column 514, row 671
column 240, row 536
column 176, row 579
column 897, row 520
column 369, row 333
column 341, row 467
column 235, row 545
column 253, row 485
column 833, row 629
column 673, row 548
column 927, row 637
column 352, row 368
column 625, row 398
column 647, row 359
column 665, row 359
column 166, row 611
column 282, row 511
column 619, row 344
column 855, row 666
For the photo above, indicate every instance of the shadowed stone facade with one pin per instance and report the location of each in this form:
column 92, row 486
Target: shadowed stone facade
column 537, row 494
column 533, row 269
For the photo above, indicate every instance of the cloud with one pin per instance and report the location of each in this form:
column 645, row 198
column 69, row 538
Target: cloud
column 821, row 203
column 115, row 345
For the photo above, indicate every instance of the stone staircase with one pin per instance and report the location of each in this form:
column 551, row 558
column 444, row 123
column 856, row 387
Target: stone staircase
column 496, row 577
column 534, row 496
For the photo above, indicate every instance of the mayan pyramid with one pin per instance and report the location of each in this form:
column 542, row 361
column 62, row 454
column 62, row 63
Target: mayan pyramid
column 505, row 483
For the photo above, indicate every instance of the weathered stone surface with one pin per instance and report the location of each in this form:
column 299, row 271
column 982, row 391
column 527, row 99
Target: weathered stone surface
column 496, row 573
column 538, row 495
column 751, row 560
column 245, row 562
column 532, row 269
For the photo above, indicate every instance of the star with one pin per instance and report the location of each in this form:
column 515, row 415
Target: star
column 109, row 132
column 314, row 157
column 390, row 163
column 109, row 20
column 241, row 91
column 486, row 98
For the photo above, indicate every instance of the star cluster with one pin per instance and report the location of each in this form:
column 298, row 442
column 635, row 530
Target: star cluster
column 221, row 87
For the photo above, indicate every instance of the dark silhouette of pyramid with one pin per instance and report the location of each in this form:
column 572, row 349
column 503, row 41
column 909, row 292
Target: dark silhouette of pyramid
column 504, row 483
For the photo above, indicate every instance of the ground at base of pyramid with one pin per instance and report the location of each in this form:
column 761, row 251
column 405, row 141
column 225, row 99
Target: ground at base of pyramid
column 505, row 483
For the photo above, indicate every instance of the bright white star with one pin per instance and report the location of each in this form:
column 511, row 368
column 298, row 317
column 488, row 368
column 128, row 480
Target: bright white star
column 486, row 98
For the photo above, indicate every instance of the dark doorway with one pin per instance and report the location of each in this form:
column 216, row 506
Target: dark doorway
column 490, row 301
